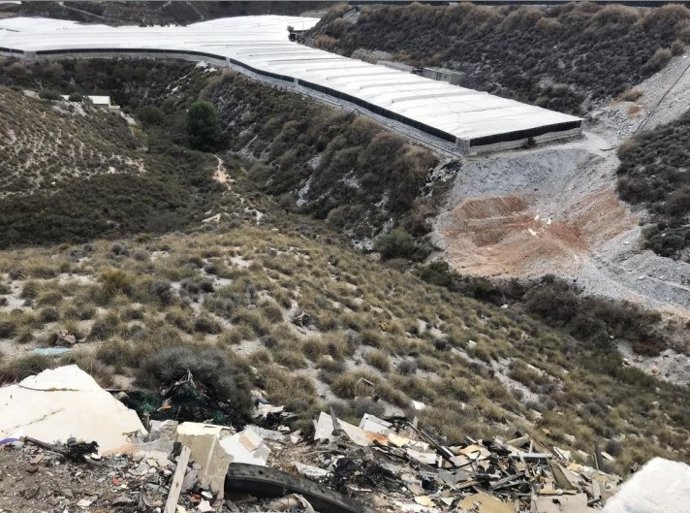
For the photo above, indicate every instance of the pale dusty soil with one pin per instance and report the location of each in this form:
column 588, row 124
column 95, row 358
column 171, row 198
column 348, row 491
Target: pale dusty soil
column 554, row 208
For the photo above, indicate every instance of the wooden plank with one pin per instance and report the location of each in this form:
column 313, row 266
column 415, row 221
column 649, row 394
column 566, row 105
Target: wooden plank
column 178, row 476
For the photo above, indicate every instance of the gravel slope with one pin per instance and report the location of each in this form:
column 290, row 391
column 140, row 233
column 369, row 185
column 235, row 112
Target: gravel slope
column 554, row 209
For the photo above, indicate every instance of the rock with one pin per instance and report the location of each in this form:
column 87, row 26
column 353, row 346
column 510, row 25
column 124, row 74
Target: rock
column 65, row 338
column 68, row 493
column 122, row 500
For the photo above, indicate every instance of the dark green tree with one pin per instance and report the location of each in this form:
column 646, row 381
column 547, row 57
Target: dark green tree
column 396, row 244
column 203, row 127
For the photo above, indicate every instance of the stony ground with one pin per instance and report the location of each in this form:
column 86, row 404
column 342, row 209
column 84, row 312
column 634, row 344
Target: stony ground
column 34, row 480
column 555, row 210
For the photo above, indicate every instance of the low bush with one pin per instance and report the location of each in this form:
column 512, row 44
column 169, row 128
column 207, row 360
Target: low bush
column 653, row 173
column 379, row 360
column 406, row 367
column 396, row 244
column 8, row 329
column 209, row 367
column 49, row 94
column 150, row 115
column 48, row 315
column 115, row 281
column 207, row 325
column 104, row 327
column 162, row 291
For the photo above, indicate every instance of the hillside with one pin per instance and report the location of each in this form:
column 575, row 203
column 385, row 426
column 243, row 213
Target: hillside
column 46, row 143
column 199, row 256
column 319, row 160
column 564, row 57
column 72, row 172
column 575, row 210
column 313, row 318
column 654, row 173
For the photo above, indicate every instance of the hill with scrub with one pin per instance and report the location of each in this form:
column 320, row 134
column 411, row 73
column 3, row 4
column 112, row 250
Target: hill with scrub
column 243, row 256
column 566, row 57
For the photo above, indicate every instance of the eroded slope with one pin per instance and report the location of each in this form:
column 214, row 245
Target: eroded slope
column 44, row 143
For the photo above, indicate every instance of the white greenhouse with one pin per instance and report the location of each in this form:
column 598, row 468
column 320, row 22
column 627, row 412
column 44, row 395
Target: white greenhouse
column 455, row 118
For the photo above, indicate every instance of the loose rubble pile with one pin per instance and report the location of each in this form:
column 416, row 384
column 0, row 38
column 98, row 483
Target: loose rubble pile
column 485, row 476
column 389, row 465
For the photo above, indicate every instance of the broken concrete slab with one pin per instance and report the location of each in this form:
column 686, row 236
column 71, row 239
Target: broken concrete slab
column 324, row 432
column 375, row 425
column 206, row 450
column 64, row 403
column 246, row 447
column 660, row 486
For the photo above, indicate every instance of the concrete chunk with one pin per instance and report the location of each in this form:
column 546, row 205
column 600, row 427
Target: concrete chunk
column 661, row 486
column 246, row 447
column 66, row 402
column 204, row 442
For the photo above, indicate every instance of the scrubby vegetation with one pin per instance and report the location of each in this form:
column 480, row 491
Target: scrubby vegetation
column 46, row 143
column 597, row 321
column 331, row 165
column 655, row 173
column 318, row 160
column 556, row 56
column 243, row 290
column 312, row 323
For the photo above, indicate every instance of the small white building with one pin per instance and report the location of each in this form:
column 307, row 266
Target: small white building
column 97, row 101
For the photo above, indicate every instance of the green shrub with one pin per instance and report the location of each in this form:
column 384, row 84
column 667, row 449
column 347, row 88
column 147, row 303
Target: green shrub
column 150, row 115
column 8, row 329
column 203, row 127
column 49, row 94
column 49, row 315
column 396, row 244
column 437, row 273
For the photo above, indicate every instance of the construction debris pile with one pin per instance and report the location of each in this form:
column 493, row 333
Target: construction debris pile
column 389, row 464
column 485, row 476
